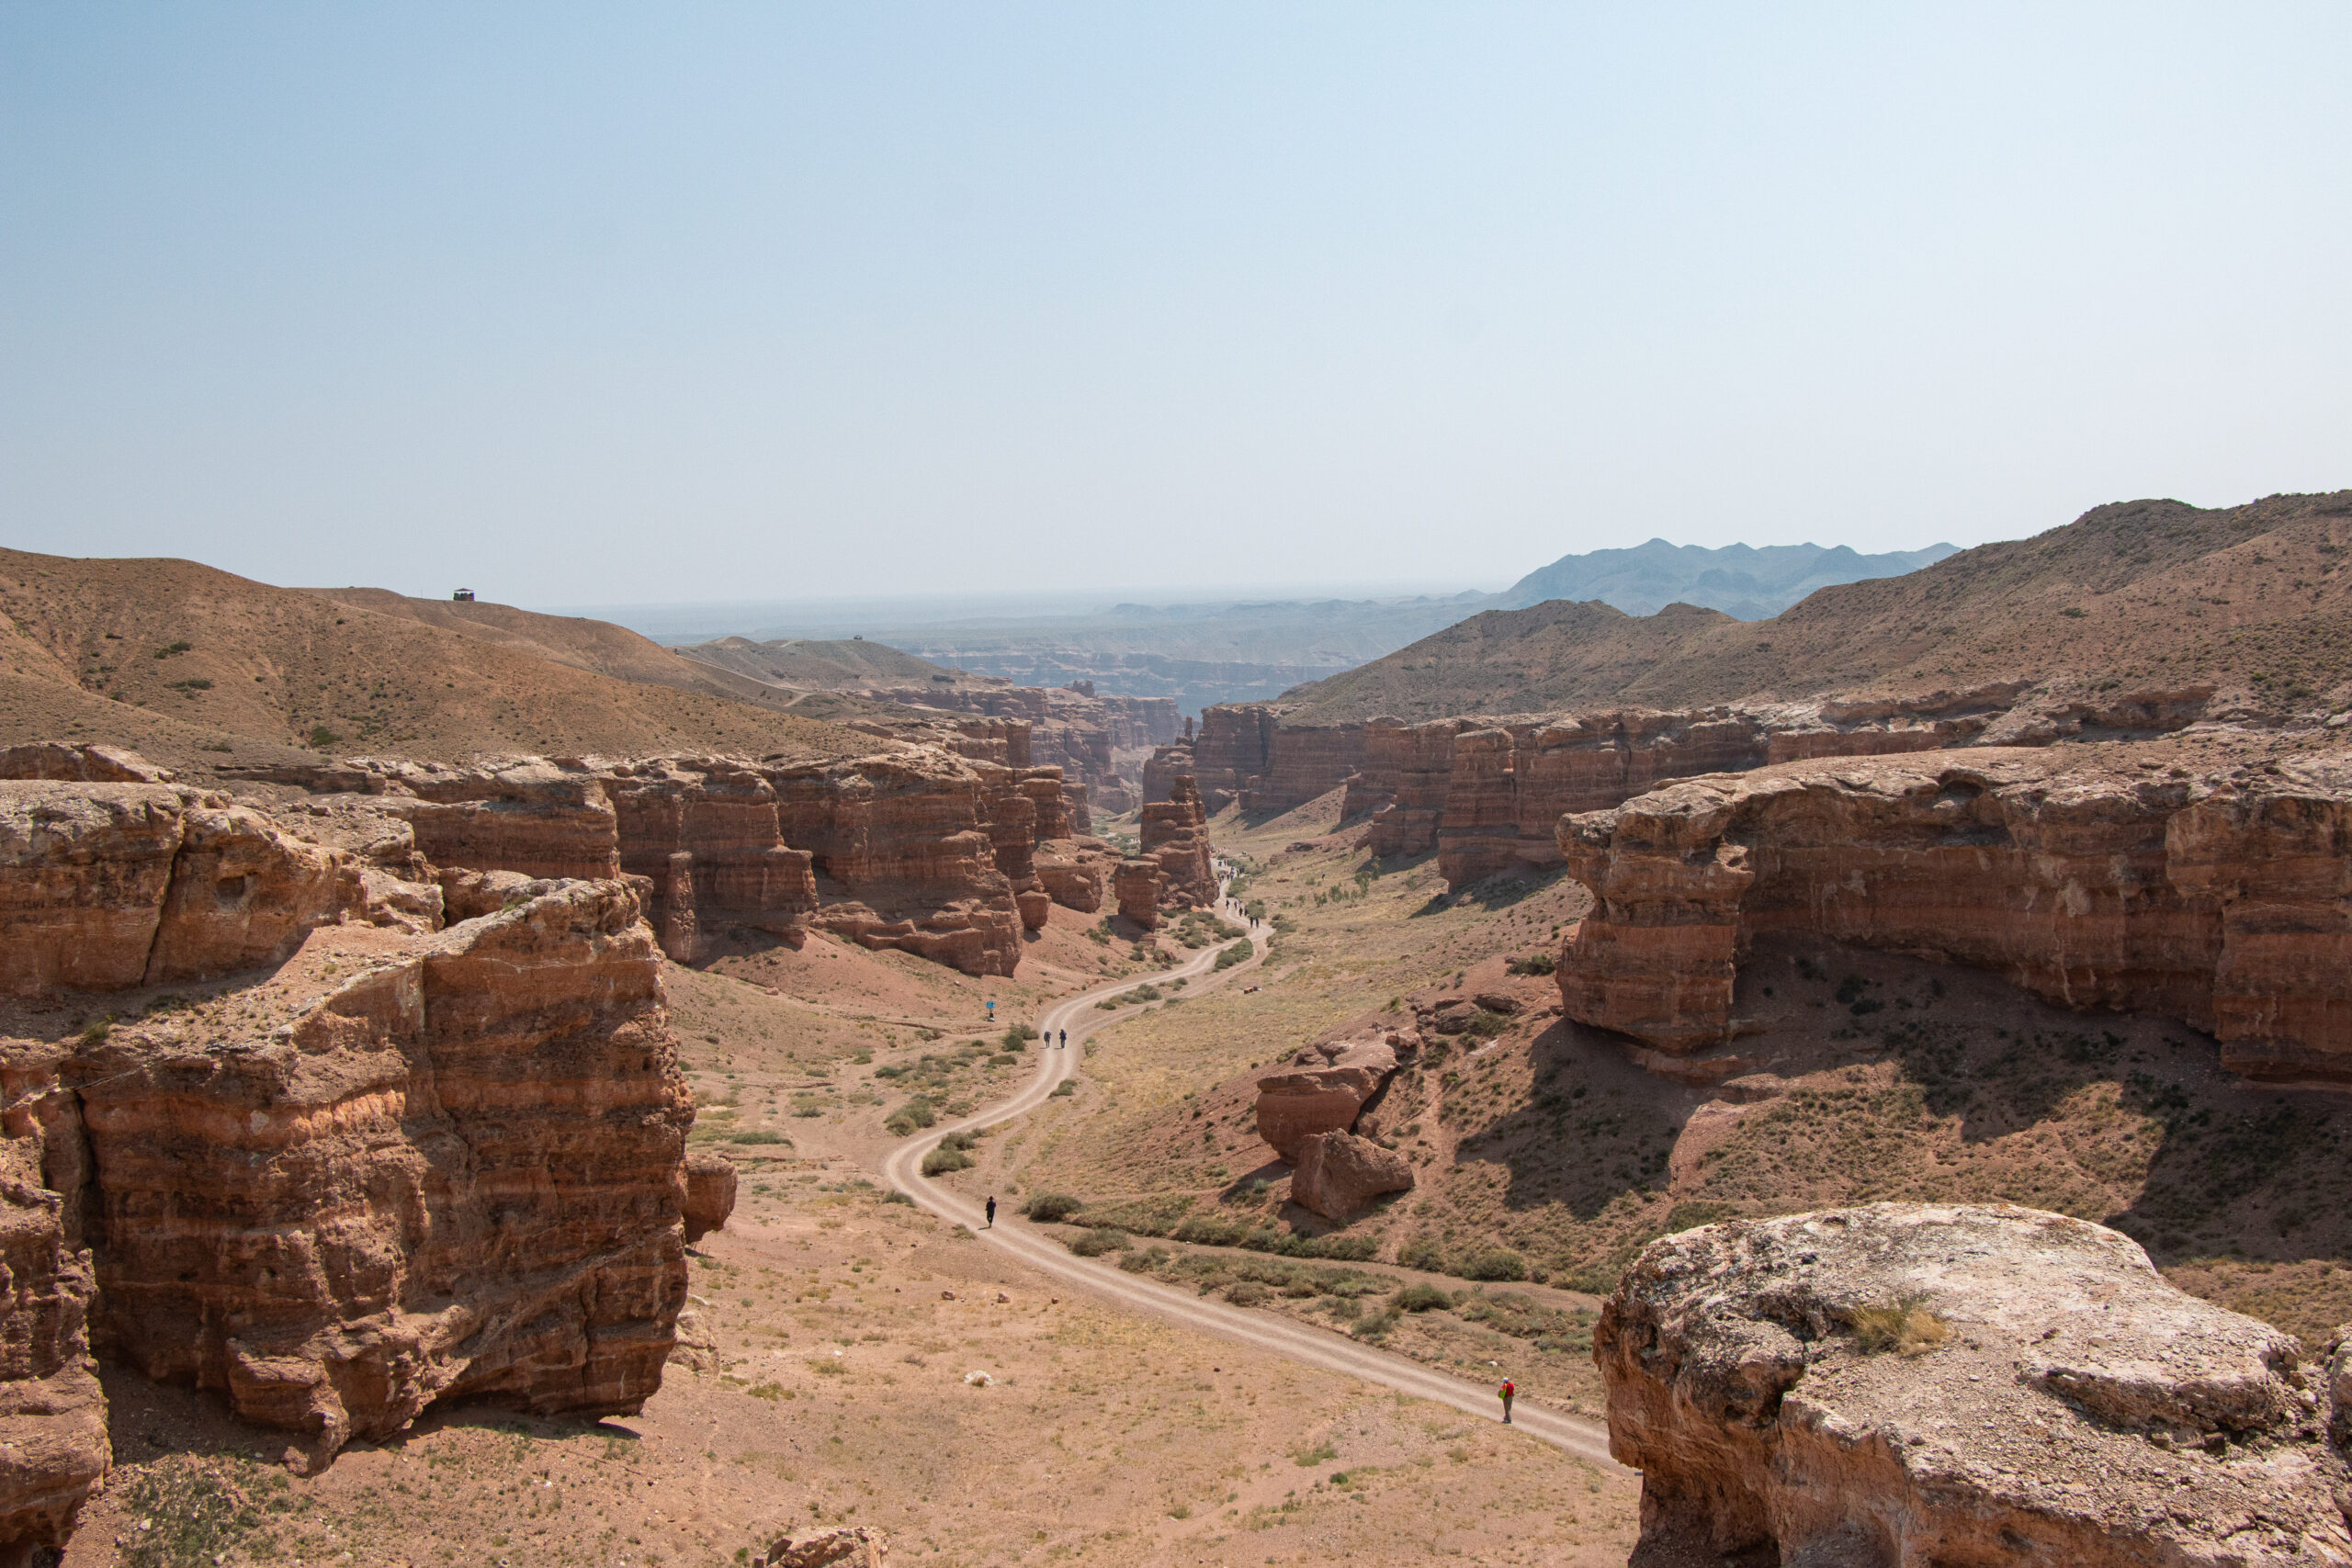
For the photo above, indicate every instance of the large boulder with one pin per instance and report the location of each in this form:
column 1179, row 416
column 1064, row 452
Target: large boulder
column 1914, row 1384
column 1324, row 1089
column 1337, row 1175
column 710, row 1193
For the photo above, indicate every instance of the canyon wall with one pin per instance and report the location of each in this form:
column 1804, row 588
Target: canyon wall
column 2217, row 899
column 914, row 849
column 354, row 1162
column 1915, row 1383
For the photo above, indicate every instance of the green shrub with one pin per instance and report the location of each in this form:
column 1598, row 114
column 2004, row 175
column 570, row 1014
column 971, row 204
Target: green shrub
column 1247, row 1294
column 759, row 1137
column 1420, row 1298
column 1052, row 1207
column 914, row 1115
column 1020, row 1034
column 896, row 1197
column 1422, row 1252
column 1067, row 1087
column 1494, row 1263
column 322, row 738
column 1538, row 963
column 1004, row 1059
column 1239, row 952
column 1098, row 1241
column 941, row 1161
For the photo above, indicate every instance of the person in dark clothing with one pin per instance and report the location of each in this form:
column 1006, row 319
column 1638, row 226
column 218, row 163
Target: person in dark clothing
column 991, row 1225
column 1063, row 1043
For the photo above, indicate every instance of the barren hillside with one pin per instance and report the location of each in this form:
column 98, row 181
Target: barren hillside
column 2250, row 599
column 193, row 665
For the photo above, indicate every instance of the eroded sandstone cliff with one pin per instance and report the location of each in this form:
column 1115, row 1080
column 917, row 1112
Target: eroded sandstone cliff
column 1903, row 1383
column 2218, row 900
column 1175, row 835
column 351, row 1162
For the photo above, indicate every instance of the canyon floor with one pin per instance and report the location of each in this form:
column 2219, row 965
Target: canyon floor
column 840, row 1333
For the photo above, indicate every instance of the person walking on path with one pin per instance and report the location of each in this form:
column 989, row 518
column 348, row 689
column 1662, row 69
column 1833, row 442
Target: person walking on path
column 991, row 1225
column 1507, row 1389
column 1062, row 1044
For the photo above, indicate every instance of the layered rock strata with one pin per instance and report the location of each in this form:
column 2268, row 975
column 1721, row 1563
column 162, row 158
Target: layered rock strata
column 2220, row 900
column 378, row 1165
column 1339, row 1175
column 1175, row 835
column 1076, row 873
column 1908, row 1383
column 899, row 838
column 1135, row 883
column 710, row 1193
column 898, row 850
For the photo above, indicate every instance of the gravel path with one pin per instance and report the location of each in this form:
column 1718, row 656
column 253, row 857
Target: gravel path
column 902, row 1168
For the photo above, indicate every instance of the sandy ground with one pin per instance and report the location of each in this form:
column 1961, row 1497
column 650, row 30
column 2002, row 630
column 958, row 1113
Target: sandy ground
column 840, row 1332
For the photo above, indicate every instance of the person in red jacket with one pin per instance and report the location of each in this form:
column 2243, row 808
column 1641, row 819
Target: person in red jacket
column 1507, row 1390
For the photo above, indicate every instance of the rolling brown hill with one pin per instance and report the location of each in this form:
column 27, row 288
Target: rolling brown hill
column 2252, row 600
column 197, row 667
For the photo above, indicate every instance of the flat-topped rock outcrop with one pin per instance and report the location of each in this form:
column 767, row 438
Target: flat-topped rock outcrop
column 355, row 1161
column 1911, row 1383
column 2216, row 899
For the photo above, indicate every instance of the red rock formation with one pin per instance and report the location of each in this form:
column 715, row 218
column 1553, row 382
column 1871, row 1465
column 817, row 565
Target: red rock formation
column 382, row 1167
column 1136, row 883
column 1325, row 1089
column 1304, row 761
column 1046, row 793
column 1233, row 750
column 80, row 764
column 1407, row 767
column 1962, row 1384
column 705, row 831
column 457, row 1171
column 1339, row 1175
column 53, row 1446
column 104, row 886
column 710, row 1193
column 1076, row 873
column 1175, row 834
column 532, row 817
column 2213, row 900
column 1159, row 770
column 899, row 838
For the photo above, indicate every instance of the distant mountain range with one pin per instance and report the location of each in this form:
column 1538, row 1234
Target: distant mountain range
column 2129, row 601
column 1253, row 650
column 1742, row 580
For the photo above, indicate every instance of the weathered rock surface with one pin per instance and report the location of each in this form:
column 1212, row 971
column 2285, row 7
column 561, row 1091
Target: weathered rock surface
column 710, row 1193
column 1175, row 834
column 2219, row 900
column 1339, row 1175
column 1076, row 873
column 104, row 886
column 2046, row 1397
column 1323, row 1091
column 1136, row 884
column 903, row 859
column 53, row 1445
column 456, row 1171
column 705, row 831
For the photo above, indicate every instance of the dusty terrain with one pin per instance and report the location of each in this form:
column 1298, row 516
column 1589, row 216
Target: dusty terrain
column 841, row 1329
column 2251, row 599
column 1874, row 1077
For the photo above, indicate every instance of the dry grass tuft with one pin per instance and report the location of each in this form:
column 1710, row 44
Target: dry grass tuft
column 1905, row 1327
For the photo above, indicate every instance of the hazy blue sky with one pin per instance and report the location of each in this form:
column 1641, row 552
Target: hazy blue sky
column 586, row 303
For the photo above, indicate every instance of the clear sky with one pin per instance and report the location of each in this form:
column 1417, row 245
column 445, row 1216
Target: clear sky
column 578, row 303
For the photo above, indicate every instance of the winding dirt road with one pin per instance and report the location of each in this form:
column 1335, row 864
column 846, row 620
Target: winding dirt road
column 902, row 1168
